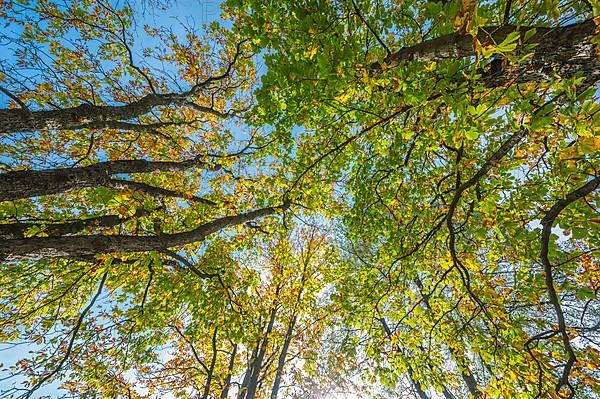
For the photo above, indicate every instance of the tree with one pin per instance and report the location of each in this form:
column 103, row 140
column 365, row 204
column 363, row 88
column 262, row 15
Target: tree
column 461, row 139
column 405, row 204
column 118, row 170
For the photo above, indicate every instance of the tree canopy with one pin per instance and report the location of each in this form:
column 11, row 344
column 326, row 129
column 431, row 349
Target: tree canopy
column 300, row 200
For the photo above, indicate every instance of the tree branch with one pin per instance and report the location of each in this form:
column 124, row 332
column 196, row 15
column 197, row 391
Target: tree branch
column 72, row 341
column 76, row 247
column 32, row 183
column 563, row 50
column 17, row 230
column 547, row 222
column 158, row 191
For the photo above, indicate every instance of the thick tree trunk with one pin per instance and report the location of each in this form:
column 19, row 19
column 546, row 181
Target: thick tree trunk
column 563, row 50
column 78, row 247
column 33, row 183
column 82, row 116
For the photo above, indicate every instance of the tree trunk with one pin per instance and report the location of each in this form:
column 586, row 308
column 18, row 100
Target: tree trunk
column 211, row 368
column 253, row 383
column 83, row 116
column 244, row 386
column 563, row 50
column 227, row 382
column 416, row 384
column 32, row 183
column 78, row 247
column 282, row 356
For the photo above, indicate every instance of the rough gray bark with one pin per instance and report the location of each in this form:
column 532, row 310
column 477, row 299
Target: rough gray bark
column 87, row 116
column 563, row 50
column 77, row 247
column 32, row 183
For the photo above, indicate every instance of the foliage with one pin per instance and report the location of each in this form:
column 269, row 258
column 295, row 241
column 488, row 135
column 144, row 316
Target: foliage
column 434, row 165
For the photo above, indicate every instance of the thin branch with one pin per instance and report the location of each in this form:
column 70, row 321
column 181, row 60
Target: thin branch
column 158, row 191
column 15, row 98
column 381, row 42
column 72, row 341
column 194, row 352
column 507, row 12
column 189, row 265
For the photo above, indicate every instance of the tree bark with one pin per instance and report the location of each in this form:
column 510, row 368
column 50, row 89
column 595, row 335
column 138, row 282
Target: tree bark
column 564, row 50
column 78, row 247
column 211, row 368
column 547, row 222
column 282, row 356
column 17, row 230
column 244, row 386
column 290, row 330
column 105, row 116
column 32, row 183
column 227, row 382
column 87, row 116
column 253, row 383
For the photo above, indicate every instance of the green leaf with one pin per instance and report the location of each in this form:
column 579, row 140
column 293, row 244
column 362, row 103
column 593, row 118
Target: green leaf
column 585, row 293
column 529, row 34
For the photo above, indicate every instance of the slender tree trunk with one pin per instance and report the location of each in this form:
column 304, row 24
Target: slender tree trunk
column 282, row 355
column 416, row 384
column 211, row 367
column 290, row 330
column 564, row 50
column 249, row 370
column 33, row 183
column 89, row 245
column 253, row 383
column 227, row 382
